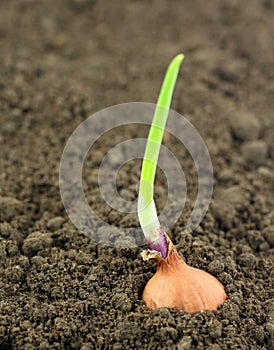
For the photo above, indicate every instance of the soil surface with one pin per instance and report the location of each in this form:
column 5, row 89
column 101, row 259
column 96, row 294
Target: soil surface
column 62, row 61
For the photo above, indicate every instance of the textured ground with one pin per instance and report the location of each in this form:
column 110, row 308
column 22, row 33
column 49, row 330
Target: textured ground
column 63, row 60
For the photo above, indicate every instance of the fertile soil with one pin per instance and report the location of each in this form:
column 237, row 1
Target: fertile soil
column 62, row 61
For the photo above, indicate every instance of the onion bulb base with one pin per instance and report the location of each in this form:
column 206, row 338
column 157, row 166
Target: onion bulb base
column 178, row 285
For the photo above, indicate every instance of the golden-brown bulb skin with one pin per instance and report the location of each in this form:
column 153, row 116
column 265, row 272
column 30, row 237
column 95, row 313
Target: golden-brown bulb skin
column 177, row 285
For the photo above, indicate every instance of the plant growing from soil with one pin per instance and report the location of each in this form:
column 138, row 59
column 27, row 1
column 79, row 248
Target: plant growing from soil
column 175, row 284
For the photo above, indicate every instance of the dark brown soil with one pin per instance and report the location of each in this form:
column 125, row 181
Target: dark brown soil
column 63, row 60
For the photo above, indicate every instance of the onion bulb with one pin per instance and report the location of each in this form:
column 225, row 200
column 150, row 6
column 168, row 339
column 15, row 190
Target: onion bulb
column 177, row 285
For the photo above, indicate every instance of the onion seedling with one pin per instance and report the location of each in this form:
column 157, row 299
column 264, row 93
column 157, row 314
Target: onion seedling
column 175, row 284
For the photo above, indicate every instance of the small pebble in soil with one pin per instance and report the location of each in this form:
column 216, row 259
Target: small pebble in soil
column 37, row 260
column 245, row 126
column 248, row 260
column 255, row 151
column 14, row 273
column 255, row 239
column 11, row 249
column 185, row 343
column 225, row 278
column 230, row 71
column 55, row 223
column 226, row 202
column 61, row 324
column 231, row 311
column 165, row 333
column 265, row 172
column 127, row 329
column 269, row 235
column 225, row 175
column 122, row 302
column 215, row 267
column 10, row 207
column 23, row 261
column 5, row 229
column 215, row 330
column 35, row 242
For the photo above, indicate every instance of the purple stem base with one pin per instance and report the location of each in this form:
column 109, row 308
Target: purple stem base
column 160, row 245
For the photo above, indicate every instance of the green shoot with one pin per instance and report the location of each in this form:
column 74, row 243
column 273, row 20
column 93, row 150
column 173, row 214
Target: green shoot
column 146, row 207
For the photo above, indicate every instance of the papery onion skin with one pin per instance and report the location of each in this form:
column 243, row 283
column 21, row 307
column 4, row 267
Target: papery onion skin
column 177, row 285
